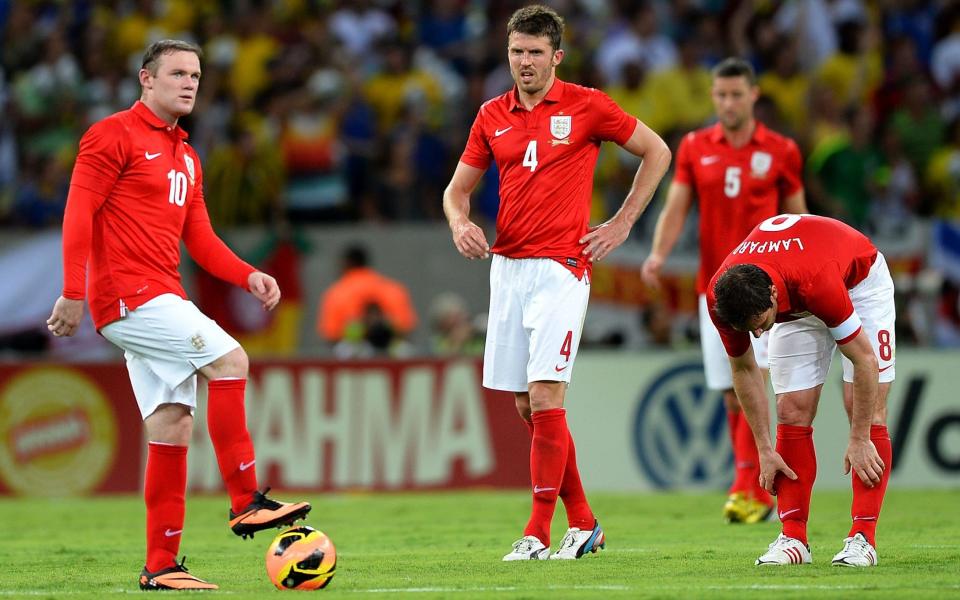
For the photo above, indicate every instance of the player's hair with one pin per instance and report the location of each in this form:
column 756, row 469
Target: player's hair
column 735, row 67
column 539, row 21
column 742, row 292
column 151, row 58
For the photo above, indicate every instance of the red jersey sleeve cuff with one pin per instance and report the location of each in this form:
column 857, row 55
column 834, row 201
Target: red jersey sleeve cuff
column 846, row 331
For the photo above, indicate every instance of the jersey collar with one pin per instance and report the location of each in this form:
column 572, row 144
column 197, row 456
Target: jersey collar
column 553, row 96
column 759, row 136
column 141, row 110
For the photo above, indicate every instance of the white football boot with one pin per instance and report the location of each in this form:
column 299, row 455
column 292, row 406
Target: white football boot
column 786, row 551
column 857, row 552
column 578, row 542
column 528, row 548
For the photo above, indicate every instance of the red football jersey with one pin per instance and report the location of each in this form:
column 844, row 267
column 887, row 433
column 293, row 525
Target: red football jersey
column 546, row 157
column 735, row 188
column 136, row 191
column 813, row 261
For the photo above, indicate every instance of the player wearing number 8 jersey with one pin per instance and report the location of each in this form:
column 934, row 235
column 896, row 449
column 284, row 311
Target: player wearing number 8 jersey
column 816, row 284
column 544, row 136
column 135, row 193
column 739, row 173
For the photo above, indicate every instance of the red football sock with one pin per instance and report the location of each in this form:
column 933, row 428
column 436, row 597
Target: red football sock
column 795, row 445
column 164, row 488
column 733, row 421
column 748, row 460
column 227, row 424
column 574, row 499
column 867, row 501
column 548, row 458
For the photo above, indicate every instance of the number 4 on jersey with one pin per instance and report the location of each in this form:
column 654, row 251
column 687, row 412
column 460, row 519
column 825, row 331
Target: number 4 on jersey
column 530, row 156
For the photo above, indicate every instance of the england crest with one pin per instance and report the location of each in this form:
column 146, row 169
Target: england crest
column 760, row 164
column 560, row 126
column 189, row 163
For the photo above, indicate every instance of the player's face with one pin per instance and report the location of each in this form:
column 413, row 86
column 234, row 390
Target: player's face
column 172, row 92
column 762, row 322
column 733, row 100
column 532, row 61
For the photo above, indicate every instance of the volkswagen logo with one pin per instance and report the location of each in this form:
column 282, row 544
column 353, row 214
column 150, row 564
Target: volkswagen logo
column 680, row 432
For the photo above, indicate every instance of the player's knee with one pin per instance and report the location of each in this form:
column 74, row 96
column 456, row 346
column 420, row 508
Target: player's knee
column 170, row 424
column 232, row 364
column 523, row 405
column 546, row 395
column 795, row 409
column 731, row 402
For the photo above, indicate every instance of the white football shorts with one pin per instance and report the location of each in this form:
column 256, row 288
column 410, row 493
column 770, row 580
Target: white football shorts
column 536, row 316
column 801, row 351
column 165, row 342
column 716, row 363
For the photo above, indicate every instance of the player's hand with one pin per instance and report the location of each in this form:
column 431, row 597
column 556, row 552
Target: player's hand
column 651, row 271
column 65, row 317
column 772, row 463
column 470, row 240
column 604, row 239
column 862, row 457
column 265, row 289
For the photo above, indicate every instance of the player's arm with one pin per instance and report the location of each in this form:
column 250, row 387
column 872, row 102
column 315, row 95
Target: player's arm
column 216, row 258
column 655, row 158
column 748, row 382
column 795, row 203
column 668, row 229
column 861, row 454
column 467, row 235
column 99, row 162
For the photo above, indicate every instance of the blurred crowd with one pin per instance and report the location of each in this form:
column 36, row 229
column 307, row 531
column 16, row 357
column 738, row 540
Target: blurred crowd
column 333, row 111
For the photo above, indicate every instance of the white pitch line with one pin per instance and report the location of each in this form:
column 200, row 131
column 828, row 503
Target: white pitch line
column 449, row 590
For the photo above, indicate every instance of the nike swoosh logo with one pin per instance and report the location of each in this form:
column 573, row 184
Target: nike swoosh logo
column 500, row 132
column 709, row 160
column 560, row 369
column 171, row 533
column 149, row 156
column 783, row 514
column 885, row 368
column 244, row 466
column 537, row 489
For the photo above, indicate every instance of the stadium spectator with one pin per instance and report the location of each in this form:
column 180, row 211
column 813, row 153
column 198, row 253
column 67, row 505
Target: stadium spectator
column 346, row 305
column 541, row 134
column 635, row 37
column 739, row 173
column 136, row 192
column 454, row 330
column 815, row 284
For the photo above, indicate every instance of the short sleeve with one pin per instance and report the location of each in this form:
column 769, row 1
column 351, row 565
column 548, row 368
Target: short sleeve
column 734, row 342
column 477, row 153
column 611, row 123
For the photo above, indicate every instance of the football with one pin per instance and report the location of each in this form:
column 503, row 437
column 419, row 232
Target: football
column 301, row 558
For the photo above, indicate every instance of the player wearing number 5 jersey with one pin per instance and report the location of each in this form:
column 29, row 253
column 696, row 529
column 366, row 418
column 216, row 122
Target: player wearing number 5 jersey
column 739, row 173
column 816, row 284
column 136, row 192
column 544, row 136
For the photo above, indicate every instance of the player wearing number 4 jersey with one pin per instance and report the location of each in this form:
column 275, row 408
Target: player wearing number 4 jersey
column 740, row 173
column 816, row 285
column 544, row 136
column 136, row 192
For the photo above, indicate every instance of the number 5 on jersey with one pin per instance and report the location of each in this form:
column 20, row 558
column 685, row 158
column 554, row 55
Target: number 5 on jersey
column 178, row 187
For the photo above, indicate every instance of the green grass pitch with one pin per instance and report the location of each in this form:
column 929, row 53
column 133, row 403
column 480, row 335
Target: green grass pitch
column 449, row 545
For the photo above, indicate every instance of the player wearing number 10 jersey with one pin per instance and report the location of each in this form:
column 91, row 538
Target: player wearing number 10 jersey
column 544, row 136
column 136, row 192
column 816, row 284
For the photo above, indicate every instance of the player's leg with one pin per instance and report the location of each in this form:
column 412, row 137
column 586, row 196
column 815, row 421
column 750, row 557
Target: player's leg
column 250, row 510
column 746, row 501
column 167, row 413
column 800, row 355
column 506, row 354
column 579, row 514
column 873, row 301
column 554, row 317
